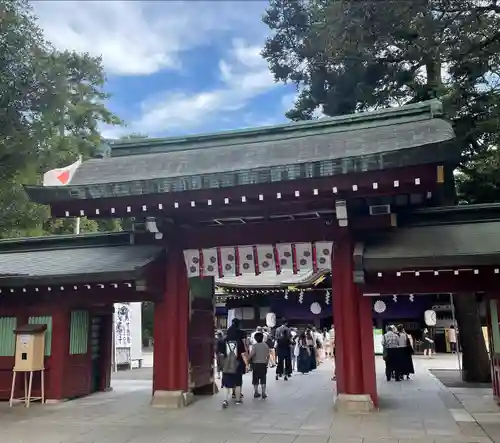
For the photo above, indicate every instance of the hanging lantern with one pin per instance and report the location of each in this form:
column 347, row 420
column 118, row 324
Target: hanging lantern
column 395, row 298
column 327, row 298
column 315, row 308
column 379, row 306
column 430, row 317
column 271, row 320
column 301, row 296
column 412, row 298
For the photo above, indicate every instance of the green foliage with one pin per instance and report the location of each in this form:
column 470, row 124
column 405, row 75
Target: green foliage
column 148, row 309
column 51, row 106
column 354, row 55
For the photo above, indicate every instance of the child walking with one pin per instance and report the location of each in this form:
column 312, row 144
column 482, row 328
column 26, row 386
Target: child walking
column 259, row 357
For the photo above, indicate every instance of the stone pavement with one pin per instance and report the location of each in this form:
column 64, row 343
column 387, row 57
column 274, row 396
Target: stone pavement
column 298, row 411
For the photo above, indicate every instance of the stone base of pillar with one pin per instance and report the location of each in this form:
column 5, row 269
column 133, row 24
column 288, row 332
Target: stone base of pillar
column 354, row 404
column 54, row 401
column 171, row 399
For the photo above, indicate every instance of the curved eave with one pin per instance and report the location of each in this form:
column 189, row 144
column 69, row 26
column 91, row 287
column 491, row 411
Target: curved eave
column 278, row 281
column 438, row 246
column 442, row 152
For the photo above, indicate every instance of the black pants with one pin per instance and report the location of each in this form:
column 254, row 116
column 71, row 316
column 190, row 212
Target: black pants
column 284, row 366
column 259, row 373
column 393, row 363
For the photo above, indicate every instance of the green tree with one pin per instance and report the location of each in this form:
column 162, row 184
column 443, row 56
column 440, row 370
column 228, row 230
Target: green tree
column 51, row 106
column 353, row 55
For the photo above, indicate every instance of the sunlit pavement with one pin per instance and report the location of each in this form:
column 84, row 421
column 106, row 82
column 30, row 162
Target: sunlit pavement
column 299, row 410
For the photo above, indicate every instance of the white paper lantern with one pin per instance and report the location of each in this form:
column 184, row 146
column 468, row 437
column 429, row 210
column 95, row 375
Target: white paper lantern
column 379, row 306
column 271, row 320
column 430, row 317
column 315, row 308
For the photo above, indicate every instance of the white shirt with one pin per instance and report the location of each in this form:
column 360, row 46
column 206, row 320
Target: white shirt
column 452, row 335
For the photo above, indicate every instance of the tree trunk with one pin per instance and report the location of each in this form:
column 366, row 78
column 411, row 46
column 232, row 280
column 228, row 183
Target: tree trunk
column 475, row 358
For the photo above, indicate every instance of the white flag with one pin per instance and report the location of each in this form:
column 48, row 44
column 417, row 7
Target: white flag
column 324, row 255
column 210, row 262
column 61, row 176
column 304, row 256
column 285, row 255
column 247, row 264
column 228, row 262
column 192, row 259
column 265, row 254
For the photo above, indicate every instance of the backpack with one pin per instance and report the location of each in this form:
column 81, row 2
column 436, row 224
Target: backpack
column 230, row 365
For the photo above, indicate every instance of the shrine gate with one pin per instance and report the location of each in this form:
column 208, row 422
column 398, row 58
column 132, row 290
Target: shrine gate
column 299, row 195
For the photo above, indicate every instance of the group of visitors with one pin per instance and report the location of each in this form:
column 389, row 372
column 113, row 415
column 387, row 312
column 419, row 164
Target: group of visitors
column 397, row 353
column 285, row 348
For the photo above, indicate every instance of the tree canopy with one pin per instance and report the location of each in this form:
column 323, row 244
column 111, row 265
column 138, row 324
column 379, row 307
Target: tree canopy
column 51, row 106
column 353, row 55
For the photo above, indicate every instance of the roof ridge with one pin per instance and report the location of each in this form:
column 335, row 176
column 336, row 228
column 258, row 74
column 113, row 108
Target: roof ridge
column 433, row 108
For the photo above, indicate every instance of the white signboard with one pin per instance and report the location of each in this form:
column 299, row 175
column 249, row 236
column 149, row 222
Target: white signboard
column 123, row 333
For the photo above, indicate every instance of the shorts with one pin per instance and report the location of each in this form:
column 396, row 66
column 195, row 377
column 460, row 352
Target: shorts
column 259, row 373
column 231, row 381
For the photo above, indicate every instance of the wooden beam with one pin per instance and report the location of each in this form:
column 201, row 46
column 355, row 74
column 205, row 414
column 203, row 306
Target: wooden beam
column 362, row 184
column 273, row 232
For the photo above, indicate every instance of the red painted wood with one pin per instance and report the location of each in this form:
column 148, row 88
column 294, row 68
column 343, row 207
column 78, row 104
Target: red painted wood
column 344, row 183
column 59, row 352
column 171, row 318
column 346, row 302
column 77, row 380
column 81, row 298
column 201, row 342
column 106, row 349
column 367, row 348
column 275, row 232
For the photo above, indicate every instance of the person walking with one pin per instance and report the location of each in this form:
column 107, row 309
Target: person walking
column 235, row 363
column 390, row 343
column 283, row 351
column 452, row 339
column 259, row 358
column 427, row 343
column 405, row 350
column 220, row 349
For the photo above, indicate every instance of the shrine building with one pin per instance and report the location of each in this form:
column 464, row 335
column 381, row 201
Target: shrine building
column 345, row 195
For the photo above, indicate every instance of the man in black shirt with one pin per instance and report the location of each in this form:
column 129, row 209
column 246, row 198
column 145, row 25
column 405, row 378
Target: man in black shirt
column 283, row 351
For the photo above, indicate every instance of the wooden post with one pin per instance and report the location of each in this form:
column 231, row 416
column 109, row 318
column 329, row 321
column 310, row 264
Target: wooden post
column 171, row 322
column 356, row 387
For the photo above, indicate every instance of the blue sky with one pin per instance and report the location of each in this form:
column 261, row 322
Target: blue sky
column 175, row 67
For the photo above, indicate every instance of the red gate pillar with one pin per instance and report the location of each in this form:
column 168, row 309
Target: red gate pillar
column 171, row 322
column 356, row 382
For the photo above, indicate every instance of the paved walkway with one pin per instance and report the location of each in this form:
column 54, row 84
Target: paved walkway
column 298, row 411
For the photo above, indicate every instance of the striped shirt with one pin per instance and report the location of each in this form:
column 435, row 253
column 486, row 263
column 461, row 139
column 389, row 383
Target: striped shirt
column 390, row 340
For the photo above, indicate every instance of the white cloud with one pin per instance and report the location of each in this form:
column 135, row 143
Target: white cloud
column 243, row 76
column 142, row 37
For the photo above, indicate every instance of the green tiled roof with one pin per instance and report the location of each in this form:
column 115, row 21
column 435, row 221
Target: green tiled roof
column 53, row 260
column 385, row 139
column 444, row 245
